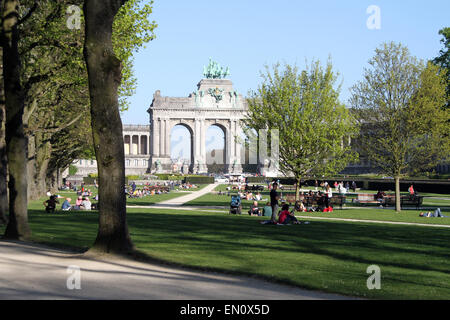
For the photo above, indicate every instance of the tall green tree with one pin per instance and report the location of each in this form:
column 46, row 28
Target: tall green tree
column 16, row 140
column 54, row 87
column 400, row 106
column 3, row 159
column 443, row 60
column 314, row 126
column 104, row 75
column 57, row 117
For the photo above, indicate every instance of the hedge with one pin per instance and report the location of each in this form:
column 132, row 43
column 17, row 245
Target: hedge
column 199, row 180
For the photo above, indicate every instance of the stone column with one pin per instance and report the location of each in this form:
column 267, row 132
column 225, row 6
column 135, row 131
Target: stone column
column 196, row 140
column 237, row 146
column 125, row 143
column 162, row 139
column 167, row 153
column 204, row 168
column 228, row 146
column 236, row 167
column 139, row 144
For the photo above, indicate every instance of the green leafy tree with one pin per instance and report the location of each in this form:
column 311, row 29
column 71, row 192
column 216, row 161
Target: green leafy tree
column 400, row 106
column 54, row 87
column 55, row 81
column 443, row 60
column 132, row 29
column 15, row 138
column 314, row 126
column 3, row 158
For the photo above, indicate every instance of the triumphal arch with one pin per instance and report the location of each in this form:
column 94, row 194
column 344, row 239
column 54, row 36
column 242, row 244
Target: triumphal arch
column 214, row 102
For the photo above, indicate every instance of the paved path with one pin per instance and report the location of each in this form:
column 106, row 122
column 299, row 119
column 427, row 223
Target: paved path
column 378, row 221
column 189, row 197
column 30, row 271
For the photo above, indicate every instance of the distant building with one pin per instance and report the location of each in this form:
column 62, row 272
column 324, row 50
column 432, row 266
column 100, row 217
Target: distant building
column 137, row 156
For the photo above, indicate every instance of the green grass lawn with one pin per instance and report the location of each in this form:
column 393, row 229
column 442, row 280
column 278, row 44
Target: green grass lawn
column 408, row 215
column 149, row 200
column 323, row 255
column 145, row 201
column 330, row 256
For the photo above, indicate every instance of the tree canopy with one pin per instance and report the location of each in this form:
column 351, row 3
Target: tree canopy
column 443, row 60
column 314, row 126
column 400, row 106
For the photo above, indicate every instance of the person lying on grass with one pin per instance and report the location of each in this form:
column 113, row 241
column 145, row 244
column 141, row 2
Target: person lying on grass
column 437, row 214
column 286, row 217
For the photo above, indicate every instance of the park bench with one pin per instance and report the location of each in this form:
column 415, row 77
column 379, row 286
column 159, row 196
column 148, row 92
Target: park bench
column 416, row 201
column 254, row 188
column 308, row 201
column 366, row 198
column 337, row 200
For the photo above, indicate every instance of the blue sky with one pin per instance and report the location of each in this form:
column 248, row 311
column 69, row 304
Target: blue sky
column 245, row 35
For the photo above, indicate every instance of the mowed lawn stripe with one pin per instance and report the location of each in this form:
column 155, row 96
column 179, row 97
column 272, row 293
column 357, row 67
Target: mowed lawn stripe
column 330, row 256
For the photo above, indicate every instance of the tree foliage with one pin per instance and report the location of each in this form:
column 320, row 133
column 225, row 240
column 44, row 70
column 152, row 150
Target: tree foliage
column 54, row 76
column 314, row 126
column 400, row 106
column 443, row 60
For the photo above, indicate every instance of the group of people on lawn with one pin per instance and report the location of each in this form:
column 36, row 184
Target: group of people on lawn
column 133, row 192
column 82, row 203
column 285, row 216
column 321, row 198
column 250, row 196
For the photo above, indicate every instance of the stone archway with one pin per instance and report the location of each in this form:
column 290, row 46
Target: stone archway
column 215, row 102
column 216, row 147
column 187, row 162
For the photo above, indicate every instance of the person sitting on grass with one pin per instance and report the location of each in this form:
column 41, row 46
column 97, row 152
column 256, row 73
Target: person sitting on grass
column 321, row 202
column 78, row 203
column 286, row 216
column 254, row 210
column 66, row 205
column 86, row 204
column 299, row 206
column 267, row 210
column 50, row 204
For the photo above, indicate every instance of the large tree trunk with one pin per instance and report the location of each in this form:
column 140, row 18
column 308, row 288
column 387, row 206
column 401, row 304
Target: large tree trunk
column 104, row 72
column 398, row 206
column 3, row 158
column 16, row 141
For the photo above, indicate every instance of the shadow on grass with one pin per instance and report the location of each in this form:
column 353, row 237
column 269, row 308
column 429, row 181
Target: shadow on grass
column 239, row 245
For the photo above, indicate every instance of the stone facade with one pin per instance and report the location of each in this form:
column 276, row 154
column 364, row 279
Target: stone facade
column 215, row 102
column 137, row 155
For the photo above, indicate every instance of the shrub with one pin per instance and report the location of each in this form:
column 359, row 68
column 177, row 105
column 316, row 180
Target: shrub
column 72, row 170
column 199, row 179
column 134, row 177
